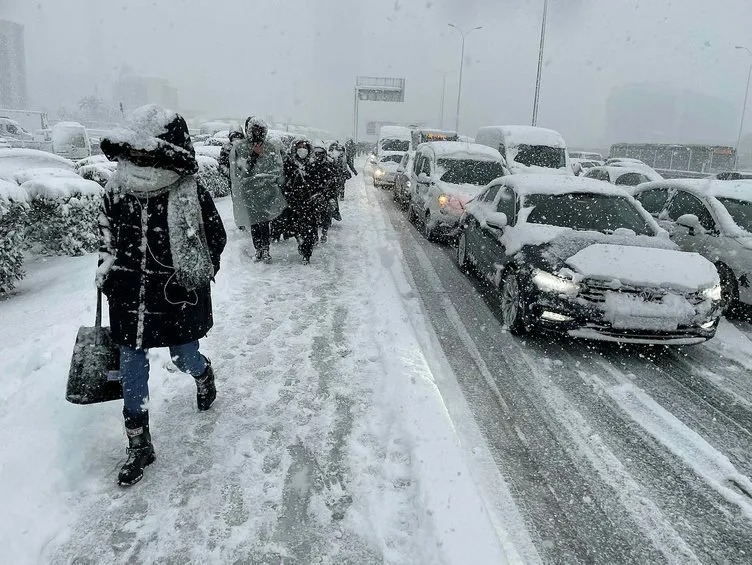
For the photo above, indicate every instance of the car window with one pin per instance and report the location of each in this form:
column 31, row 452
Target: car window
column 506, row 204
column 653, row 200
column 418, row 164
column 684, row 203
column 598, row 174
column 491, row 193
column 630, row 179
column 426, row 166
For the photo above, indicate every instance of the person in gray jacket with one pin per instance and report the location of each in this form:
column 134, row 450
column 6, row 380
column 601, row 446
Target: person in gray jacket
column 256, row 177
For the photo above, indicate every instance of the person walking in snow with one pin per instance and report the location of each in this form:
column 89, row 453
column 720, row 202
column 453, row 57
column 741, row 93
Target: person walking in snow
column 350, row 151
column 161, row 241
column 301, row 196
column 224, row 154
column 256, row 177
column 322, row 178
column 341, row 172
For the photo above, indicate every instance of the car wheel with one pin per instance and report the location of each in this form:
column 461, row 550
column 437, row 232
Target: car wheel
column 462, row 260
column 729, row 291
column 428, row 233
column 513, row 305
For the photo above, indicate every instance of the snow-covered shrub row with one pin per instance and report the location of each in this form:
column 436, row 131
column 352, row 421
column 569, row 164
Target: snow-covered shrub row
column 97, row 168
column 14, row 210
column 209, row 176
column 63, row 215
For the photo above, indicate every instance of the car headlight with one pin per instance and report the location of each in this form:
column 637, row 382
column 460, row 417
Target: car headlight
column 408, row 184
column 379, row 172
column 713, row 293
column 551, row 283
column 443, row 200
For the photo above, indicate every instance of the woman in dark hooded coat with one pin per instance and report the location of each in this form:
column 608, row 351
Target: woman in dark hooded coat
column 301, row 196
column 161, row 243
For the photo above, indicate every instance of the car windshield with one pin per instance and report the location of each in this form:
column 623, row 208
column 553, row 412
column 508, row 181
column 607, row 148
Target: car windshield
column 392, row 159
column 470, row 171
column 740, row 210
column 587, row 212
column 541, row 156
column 395, row 145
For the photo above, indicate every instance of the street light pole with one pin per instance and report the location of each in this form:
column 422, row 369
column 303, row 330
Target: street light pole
column 443, row 97
column 464, row 34
column 540, row 63
column 744, row 109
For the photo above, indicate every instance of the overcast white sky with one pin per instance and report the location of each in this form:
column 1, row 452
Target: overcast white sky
column 299, row 59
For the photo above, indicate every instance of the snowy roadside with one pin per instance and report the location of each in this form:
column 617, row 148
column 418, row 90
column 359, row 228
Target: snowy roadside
column 329, row 441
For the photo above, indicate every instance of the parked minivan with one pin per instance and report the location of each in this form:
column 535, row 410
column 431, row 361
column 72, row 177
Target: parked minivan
column 70, row 140
column 528, row 149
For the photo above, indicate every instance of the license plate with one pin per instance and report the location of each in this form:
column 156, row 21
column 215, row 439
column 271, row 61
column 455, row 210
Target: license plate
column 644, row 323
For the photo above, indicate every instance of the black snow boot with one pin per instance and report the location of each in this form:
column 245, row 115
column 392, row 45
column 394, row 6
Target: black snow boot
column 140, row 449
column 206, row 391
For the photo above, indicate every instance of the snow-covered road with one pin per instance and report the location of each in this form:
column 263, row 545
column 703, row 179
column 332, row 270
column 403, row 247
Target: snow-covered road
column 329, row 442
column 613, row 455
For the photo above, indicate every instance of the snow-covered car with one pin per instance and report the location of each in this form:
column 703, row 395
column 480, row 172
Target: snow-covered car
column 370, row 164
column 587, row 156
column 71, row 140
column 208, row 150
column 712, row 218
column 616, row 160
column 445, row 177
column 5, row 143
column 733, row 175
column 620, row 176
column 12, row 130
column 528, row 149
column 646, row 170
column 13, row 161
column 385, row 169
column 580, row 257
column 582, row 165
column 402, row 182
column 394, row 139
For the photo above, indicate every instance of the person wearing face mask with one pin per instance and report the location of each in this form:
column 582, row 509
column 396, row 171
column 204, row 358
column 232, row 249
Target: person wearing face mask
column 301, row 196
column 341, row 172
column 161, row 241
column 323, row 179
column 256, row 178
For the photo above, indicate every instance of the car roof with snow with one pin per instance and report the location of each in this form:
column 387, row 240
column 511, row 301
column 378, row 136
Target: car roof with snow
column 558, row 185
column 738, row 190
column 395, row 132
column 13, row 160
column 619, row 170
column 528, row 135
column 462, row 150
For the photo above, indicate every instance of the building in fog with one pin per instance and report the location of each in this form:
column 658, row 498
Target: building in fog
column 656, row 113
column 12, row 66
column 133, row 90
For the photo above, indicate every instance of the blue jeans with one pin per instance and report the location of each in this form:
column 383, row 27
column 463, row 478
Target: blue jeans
column 134, row 372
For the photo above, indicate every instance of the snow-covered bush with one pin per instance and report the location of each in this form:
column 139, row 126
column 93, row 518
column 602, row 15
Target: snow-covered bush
column 63, row 215
column 14, row 209
column 96, row 168
column 210, row 177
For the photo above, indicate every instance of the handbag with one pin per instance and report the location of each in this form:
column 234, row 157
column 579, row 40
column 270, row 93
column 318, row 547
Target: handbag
column 94, row 374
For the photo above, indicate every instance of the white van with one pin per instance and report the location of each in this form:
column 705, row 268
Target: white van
column 393, row 140
column 70, row 140
column 528, row 149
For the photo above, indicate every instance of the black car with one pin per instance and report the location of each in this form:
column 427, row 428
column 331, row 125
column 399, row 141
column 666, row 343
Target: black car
column 581, row 257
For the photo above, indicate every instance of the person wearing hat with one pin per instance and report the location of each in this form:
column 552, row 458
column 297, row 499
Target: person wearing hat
column 256, row 178
column 161, row 241
column 224, row 154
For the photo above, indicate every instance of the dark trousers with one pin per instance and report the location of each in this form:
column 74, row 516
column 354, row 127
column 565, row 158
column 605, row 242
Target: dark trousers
column 304, row 220
column 324, row 212
column 261, row 235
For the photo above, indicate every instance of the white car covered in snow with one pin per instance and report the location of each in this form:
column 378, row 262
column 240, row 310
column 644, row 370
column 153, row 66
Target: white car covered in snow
column 712, row 218
column 445, row 176
column 71, row 140
column 528, row 149
column 580, row 257
column 620, row 176
column 385, row 169
column 20, row 161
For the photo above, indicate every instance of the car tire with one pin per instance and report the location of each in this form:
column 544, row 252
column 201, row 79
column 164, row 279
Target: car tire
column 513, row 305
column 463, row 262
column 729, row 291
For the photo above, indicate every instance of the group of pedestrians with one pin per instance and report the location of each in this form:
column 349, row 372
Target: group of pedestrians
column 282, row 192
column 162, row 238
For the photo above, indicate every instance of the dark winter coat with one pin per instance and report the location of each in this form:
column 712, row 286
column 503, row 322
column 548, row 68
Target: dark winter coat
column 148, row 307
column 350, row 156
column 323, row 177
column 298, row 188
column 224, row 160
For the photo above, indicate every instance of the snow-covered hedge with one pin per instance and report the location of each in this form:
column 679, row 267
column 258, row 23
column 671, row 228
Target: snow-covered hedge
column 63, row 215
column 208, row 175
column 14, row 210
column 97, row 168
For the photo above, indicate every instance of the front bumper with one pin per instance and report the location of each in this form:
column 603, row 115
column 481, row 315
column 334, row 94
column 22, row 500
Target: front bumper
column 384, row 180
column 572, row 316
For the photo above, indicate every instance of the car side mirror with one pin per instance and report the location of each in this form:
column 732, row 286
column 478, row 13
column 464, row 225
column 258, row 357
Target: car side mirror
column 691, row 222
column 423, row 178
column 497, row 220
